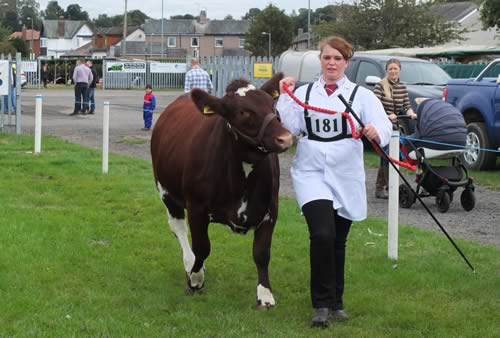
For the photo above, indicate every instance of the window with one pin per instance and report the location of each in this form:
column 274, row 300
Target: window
column 366, row 69
column 43, row 42
column 172, row 41
column 195, row 42
column 219, row 41
column 242, row 42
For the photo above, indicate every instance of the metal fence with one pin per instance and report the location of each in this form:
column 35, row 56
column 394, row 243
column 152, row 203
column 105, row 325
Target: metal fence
column 136, row 74
column 223, row 70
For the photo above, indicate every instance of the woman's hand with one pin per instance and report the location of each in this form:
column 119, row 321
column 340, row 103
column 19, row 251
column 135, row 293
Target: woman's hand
column 412, row 115
column 371, row 133
column 393, row 117
column 289, row 81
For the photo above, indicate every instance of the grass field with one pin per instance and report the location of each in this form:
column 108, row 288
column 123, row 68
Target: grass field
column 86, row 254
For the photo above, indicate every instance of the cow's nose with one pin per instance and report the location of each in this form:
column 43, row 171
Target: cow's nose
column 285, row 141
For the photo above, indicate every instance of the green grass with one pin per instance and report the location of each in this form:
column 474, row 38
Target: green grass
column 86, row 254
column 131, row 140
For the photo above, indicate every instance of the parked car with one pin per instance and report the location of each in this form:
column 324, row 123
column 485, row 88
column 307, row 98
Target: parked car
column 478, row 99
column 423, row 78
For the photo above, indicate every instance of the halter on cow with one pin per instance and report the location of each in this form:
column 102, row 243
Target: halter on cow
column 200, row 148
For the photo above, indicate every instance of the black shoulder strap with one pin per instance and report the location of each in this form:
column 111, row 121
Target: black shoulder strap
column 308, row 93
column 351, row 99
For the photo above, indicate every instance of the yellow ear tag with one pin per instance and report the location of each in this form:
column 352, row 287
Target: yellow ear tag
column 207, row 110
column 275, row 94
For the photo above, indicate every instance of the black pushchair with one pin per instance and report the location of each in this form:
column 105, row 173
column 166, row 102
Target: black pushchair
column 440, row 127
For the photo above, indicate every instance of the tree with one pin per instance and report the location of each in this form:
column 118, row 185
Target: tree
column 252, row 13
column 490, row 14
column 27, row 13
column 136, row 18
column 10, row 21
column 20, row 46
column 185, row 16
column 75, row 12
column 53, row 11
column 103, row 20
column 5, row 45
column 271, row 20
column 228, row 17
column 377, row 24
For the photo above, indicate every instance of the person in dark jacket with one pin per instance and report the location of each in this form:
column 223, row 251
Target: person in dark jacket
column 92, row 86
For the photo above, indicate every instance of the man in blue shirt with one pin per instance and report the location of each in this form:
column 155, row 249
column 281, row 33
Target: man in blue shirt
column 197, row 77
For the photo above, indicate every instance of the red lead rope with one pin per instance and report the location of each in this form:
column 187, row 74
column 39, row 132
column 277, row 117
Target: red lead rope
column 355, row 134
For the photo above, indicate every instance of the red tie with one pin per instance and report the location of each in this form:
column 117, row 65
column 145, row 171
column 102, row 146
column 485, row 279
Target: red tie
column 330, row 88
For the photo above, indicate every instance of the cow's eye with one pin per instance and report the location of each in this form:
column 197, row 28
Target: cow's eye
column 245, row 114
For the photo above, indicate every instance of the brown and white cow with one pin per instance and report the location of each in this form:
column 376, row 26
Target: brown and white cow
column 216, row 159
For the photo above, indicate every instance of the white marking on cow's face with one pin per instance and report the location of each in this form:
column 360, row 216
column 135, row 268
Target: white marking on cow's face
column 197, row 279
column 163, row 192
column 264, row 296
column 179, row 227
column 243, row 91
column 241, row 211
column 247, row 168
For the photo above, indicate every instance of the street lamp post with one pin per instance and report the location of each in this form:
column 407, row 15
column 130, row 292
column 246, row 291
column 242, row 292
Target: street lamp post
column 161, row 53
column 31, row 42
column 308, row 24
column 124, row 40
column 269, row 39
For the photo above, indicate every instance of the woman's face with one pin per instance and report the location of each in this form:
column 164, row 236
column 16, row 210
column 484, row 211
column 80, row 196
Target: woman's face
column 333, row 64
column 393, row 71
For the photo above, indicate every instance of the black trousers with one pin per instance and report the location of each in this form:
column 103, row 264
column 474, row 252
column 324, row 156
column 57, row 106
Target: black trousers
column 328, row 235
column 81, row 99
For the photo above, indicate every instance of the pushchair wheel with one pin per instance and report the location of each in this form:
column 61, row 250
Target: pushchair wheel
column 406, row 196
column 443, row 200
column 468, row 199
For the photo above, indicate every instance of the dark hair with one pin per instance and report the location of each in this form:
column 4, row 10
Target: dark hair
column 340, row 44
column 148, row 86
column 391, row 61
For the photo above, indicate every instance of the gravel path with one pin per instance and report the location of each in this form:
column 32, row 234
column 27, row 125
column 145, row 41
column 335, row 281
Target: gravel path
column 481, row 224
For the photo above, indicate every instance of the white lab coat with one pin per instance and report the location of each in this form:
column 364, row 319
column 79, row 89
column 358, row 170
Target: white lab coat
column 332, row 170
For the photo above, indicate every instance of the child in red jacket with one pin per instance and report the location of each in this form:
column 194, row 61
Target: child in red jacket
column 149, row 107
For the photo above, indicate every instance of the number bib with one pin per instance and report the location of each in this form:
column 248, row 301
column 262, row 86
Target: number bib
column 325, row 127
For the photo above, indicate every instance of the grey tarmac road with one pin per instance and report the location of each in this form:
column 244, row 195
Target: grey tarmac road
column 126, row 137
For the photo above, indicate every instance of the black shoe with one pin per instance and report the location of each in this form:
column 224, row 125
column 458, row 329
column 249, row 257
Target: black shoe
column 73, row 113
column 321, row 317
column 91, row 112
column 84, row 113
column 381, row 194
column 339, row 315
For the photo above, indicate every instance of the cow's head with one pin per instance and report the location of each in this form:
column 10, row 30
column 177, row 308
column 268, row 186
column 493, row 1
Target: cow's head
column 249, row 112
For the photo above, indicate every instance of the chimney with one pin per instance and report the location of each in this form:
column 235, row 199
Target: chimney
column 300, row 32
column 24, row 37
column 203, row 17
column 60, row 26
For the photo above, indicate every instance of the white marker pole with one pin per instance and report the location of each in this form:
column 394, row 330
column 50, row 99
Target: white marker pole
column 392, row 228
column 38, row 123
column 105, row 138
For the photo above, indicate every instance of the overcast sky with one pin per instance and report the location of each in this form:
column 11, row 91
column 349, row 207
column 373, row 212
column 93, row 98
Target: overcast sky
column 216, row 9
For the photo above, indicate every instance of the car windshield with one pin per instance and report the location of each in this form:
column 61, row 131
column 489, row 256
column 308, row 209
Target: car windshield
column 422, row 73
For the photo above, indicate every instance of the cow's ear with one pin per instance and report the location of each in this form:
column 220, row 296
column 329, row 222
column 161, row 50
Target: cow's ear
column 206, row 103
column 272, row 86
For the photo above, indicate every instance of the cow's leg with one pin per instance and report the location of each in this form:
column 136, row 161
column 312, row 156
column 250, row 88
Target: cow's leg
column 262, row 255
column 198, row 224
column 177, row 222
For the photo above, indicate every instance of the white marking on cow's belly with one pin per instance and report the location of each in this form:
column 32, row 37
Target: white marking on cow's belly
column 197, row 278
column 241, row 211
column 264, row 296
column 247, row 168
column 179, row 227
column 163, row 192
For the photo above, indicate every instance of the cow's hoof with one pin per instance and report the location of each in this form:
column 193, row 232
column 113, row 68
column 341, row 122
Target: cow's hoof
column 194, row 291
column 196, row 280
column 264, row 306
column 265, row 299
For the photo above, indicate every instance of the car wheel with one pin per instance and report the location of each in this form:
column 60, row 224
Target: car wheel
column 476, row 159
